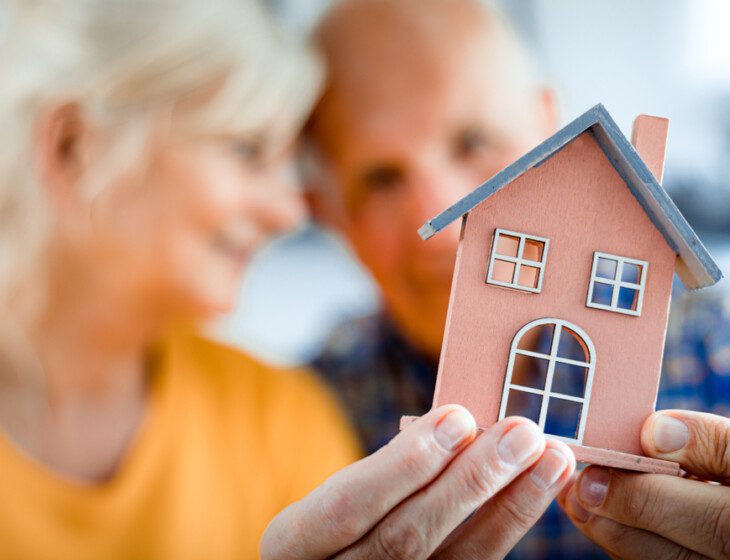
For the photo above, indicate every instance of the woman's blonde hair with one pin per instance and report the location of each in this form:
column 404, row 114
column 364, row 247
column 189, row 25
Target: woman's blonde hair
column 122, row 61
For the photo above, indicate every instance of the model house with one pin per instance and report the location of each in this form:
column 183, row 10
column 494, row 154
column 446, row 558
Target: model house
column 562, row 286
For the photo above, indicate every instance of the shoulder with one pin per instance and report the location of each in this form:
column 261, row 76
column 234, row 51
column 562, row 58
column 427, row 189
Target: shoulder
column 696, row 369
column 282, row 419
column 352, row 346
column 235, row 375
column 699, row 307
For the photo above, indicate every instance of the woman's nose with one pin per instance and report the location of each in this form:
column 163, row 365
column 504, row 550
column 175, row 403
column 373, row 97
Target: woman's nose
column 280, row 204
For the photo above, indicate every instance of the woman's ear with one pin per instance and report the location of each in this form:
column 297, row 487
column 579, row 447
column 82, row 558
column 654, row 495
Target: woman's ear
column 61, row 146
column 323, row 196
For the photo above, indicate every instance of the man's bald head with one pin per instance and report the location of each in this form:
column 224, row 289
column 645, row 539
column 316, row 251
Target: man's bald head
column 426, row 100
column 380, row 49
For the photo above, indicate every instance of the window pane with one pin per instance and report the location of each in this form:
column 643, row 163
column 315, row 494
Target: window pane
column 602, row 293
column 507, row 245
column 524, row 404
column 503, row 271
column 569, row 380
column 538, row 339
column 631, row 273
column 606, row 268
column 571, row 346
column 533, row 250
column 529, row 276
column 628, row 298
column 529, row 371
column 563, row 418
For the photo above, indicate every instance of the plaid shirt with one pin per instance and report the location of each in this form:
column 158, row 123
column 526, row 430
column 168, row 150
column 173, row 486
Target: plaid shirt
column 379, row 378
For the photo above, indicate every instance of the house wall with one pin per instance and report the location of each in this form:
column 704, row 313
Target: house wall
column 578, row 201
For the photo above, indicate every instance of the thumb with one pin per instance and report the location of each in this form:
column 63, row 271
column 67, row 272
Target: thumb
column 698, row 441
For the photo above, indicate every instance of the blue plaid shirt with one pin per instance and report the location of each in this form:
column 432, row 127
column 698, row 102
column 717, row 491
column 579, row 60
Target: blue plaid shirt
column 380, row 377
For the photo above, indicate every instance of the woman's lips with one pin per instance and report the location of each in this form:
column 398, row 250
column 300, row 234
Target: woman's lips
column 238, row 241
column 240, row 253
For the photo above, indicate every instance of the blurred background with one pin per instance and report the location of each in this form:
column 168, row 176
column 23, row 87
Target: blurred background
column 662, row 57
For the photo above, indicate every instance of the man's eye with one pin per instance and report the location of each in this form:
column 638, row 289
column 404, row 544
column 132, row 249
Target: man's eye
column 382, row 178
column 469, row 141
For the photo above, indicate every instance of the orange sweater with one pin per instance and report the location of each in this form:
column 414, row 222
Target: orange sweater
column 227, row 443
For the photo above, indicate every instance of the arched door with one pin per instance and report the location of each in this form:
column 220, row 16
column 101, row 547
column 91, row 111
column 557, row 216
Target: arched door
column 549, row 377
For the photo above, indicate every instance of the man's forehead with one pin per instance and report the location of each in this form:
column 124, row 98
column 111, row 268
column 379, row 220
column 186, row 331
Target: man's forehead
column 414, row 64
column 416, row 101
column 376, row 41
column 385, row 49
column 418, row 22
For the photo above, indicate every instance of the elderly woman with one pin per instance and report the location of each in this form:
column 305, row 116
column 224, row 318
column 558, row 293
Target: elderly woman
column 144, row 159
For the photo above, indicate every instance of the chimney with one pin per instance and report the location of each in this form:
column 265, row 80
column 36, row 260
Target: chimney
column 649, row 137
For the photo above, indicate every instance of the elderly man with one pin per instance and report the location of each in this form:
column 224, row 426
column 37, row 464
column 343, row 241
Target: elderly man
column 427, row 99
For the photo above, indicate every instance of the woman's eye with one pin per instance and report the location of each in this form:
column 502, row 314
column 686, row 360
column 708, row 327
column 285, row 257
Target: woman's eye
column 470, row 141
column 251, row 151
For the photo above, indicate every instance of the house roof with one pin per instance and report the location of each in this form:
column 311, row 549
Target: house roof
column 695, row 267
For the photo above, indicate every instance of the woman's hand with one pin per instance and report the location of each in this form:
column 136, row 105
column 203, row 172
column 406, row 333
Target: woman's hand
column 641, row 516
column 407, row 500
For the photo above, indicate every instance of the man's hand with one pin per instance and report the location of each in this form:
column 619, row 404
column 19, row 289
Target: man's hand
column 406, row 500
column 642, row 516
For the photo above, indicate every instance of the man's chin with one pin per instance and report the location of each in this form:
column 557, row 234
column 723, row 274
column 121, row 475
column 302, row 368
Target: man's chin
column 423, row 326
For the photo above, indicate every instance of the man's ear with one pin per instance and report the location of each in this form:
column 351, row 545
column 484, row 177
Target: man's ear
column 326, row 205
column 549, row 110
column 61, row 136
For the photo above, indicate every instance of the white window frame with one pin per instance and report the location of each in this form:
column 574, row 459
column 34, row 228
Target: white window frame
column 547, row 393
column 617, row 284
column 518, row 260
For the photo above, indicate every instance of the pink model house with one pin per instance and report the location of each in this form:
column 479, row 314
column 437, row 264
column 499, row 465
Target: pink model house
column 562, row 285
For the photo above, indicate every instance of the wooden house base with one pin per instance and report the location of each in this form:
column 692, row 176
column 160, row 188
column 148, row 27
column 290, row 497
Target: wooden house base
column 606, row 457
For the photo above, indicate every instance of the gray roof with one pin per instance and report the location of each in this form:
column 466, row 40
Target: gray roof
column 695, row 267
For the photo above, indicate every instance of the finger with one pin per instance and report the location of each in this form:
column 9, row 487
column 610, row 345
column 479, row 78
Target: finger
column 416, row 527
column 693, row 514
column 622, row 541
column 562, row 496
column 354, row 499
column 502, row 521
column 698, row 441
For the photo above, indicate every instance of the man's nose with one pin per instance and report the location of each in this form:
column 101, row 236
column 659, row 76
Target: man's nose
column 430, row 194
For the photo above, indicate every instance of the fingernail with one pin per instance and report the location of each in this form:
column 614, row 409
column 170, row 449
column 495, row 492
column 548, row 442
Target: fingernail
column 454, row 428
column 549, row 468
column 593, row 486
column 670, row 434
column 519, row 443
column 576, row 510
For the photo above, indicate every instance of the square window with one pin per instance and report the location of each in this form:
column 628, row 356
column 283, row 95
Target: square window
column 529, row 276
column 503, row 271
column 617, row 284
column 631, row 273
column 533, row 250
column 628, row 298
column 525, row 404
column 563, row 418
column 507, row 245
column 517, row 261
column 528, row 371
column 606, row 268
column 602, row 293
